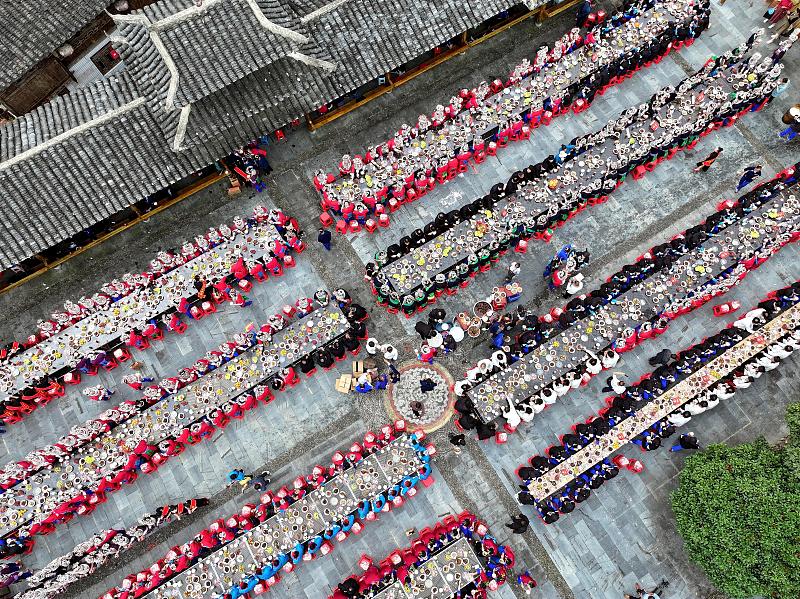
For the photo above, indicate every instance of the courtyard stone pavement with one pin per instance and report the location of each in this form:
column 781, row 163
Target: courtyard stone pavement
column 625, row 532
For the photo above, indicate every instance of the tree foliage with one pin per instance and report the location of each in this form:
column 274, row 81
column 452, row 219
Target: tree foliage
column 738, row 511
column 793, row 421
column 793, row 448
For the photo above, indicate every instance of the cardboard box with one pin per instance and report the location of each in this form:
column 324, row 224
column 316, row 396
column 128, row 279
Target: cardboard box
column 358, row 368
column 345, row 383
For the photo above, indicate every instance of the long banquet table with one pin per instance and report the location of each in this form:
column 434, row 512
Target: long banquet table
column 537, row 203
column 308, row 517
column 761, row 230
column 684, row 391
column 452, row 569
column 450, row 248
column 66, row 348
column 36, row 497
column 528, row 92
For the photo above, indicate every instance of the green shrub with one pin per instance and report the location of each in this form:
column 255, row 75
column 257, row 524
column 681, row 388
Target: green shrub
column 738, row 511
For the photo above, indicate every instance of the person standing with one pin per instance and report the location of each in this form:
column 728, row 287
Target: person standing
column 787, row 27
column 519, row 524
column 574, row 285
column 706, row 163
column 458, row 440
column 662, row 357
column 794, row 126
column 98, row 393
column 261, row 481
column 136, row 380
column 236, row 475
column 750, row 174
column 584, row 10
column 615, row 384
column 776, row 13
column 512, row 272
column 324, row 238
column 781, row 88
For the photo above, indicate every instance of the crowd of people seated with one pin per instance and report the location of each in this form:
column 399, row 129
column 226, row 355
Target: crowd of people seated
column 522, row 331
column 86, row 557
column 478, row 122
column 135, row 443
column 553, row 191
column 653, row 385
column 403, row 565
column 224, row 530
column 95, row 333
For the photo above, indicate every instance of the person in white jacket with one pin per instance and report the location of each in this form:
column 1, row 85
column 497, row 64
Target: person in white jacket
column 752, row 320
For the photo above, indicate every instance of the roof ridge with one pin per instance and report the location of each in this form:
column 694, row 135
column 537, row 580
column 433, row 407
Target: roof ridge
column 322, row 10
column 42, row 146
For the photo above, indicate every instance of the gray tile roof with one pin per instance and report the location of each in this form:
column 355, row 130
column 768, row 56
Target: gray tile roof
column 232, row 72
column 263, row 101
column 214, row 47
column 233, row 58
column 78, row 160
column 367, row 38
column 32, row 29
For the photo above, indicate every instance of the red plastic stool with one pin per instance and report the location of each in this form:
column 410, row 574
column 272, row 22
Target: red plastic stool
column 364, row 562
column 620, row 461
column 726, row 308
column 325, row 219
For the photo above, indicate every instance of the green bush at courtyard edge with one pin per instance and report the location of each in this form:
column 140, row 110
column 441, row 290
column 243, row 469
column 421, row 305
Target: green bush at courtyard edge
column 737, row 509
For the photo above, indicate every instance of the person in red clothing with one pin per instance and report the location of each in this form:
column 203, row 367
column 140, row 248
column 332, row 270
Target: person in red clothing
column 239, row 269
column 526, row 581
column 706, row 163
column 371, row 576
